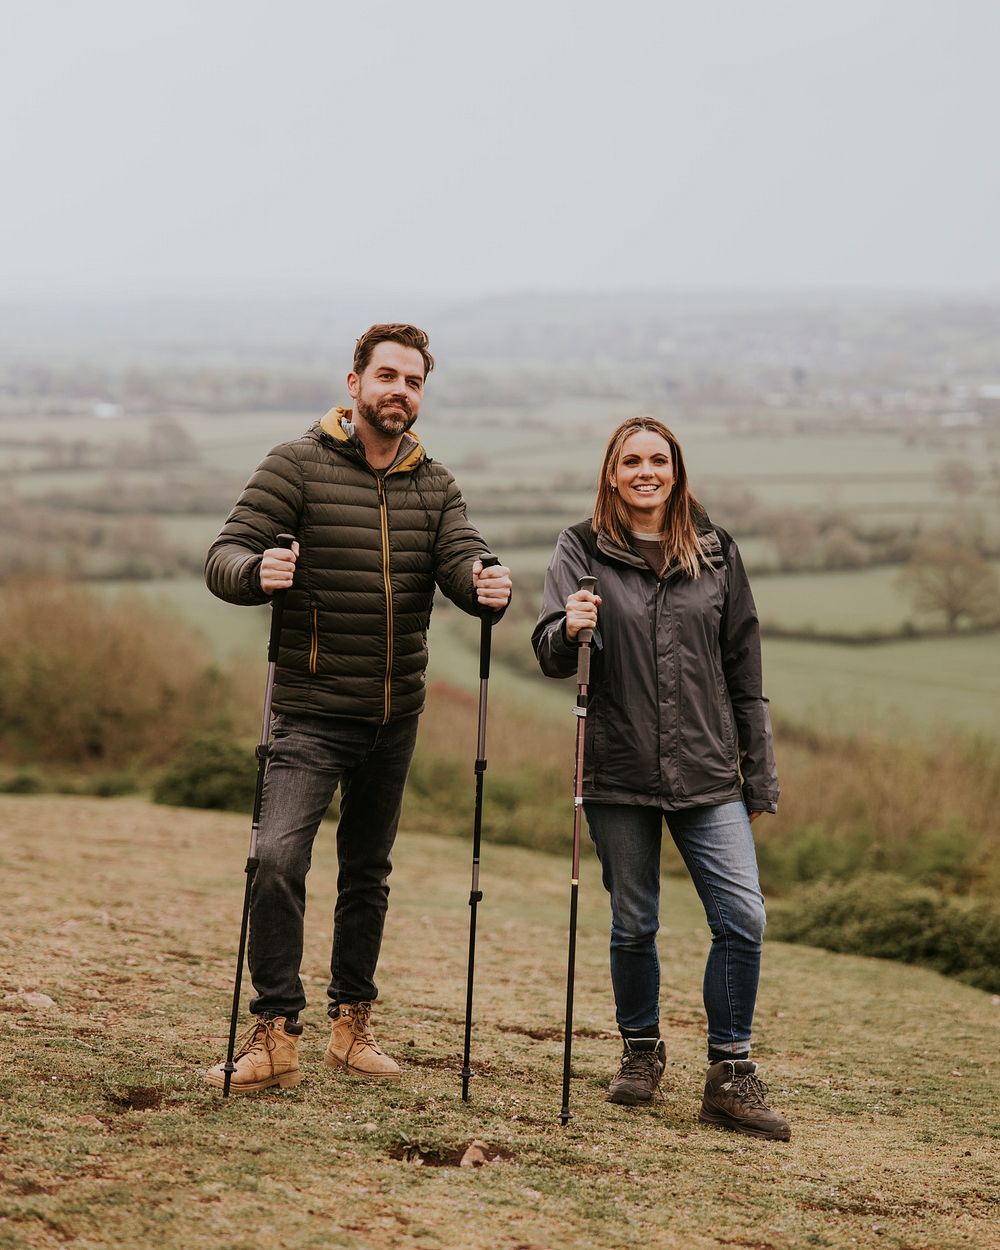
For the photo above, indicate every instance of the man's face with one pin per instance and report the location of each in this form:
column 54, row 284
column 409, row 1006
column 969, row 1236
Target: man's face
column 387, row 394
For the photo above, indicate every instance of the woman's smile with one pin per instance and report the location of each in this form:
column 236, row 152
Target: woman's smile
column 644, row 475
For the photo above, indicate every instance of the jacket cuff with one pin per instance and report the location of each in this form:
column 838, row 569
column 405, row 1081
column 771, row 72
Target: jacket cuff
column 250, row 582
column 562, row 644
column 758, row 803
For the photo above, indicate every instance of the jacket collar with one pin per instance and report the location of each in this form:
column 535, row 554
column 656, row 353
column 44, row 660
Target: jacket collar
column 337, row 424
column 708, row 540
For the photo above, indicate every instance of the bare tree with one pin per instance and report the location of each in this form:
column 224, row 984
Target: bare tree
column 945, row 577
column 795, row 538
column 841, row 550
column 958, row 477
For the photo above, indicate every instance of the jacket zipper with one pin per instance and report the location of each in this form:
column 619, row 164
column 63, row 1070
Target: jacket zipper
column 384, row 525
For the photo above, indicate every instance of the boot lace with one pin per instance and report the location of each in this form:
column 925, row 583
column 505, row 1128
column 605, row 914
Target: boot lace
column 751, row 1090
column 257, row 1037
column 361, row 1025
column 640, row 1065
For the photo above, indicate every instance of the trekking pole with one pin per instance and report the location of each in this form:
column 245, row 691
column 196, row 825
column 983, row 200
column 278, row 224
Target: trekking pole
column 476, row 894
column 583, row 683
column 262, row 752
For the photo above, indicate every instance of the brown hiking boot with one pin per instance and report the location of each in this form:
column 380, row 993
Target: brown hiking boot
column 265, row 1055
column 735, row 1098
column 353, row 1046
column 638, row 1079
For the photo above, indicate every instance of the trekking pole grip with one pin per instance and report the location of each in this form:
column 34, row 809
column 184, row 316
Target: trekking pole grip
column 488, row 561
column 278, row 604
column 589, row 584
column 584, row 637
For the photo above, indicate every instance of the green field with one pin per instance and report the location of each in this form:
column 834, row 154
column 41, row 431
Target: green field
column 905, row 689
column 839, row 602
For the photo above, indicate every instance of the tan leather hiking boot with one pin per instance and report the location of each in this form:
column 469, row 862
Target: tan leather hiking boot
column 353, row 1046
column 265, row 1055
column 735, row 1098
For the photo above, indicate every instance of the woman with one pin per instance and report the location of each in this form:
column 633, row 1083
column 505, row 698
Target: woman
column 677, row 728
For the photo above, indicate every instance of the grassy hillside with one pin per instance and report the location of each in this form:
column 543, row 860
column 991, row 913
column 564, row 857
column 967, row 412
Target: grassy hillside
column 125, row 918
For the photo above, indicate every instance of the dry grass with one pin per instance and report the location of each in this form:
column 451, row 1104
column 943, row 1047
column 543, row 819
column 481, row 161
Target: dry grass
column 91, row 683
column 857, row 802
column 125, row 916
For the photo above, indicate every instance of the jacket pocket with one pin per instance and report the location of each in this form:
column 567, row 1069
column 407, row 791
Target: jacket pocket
column 726, row 708
column 313, row 639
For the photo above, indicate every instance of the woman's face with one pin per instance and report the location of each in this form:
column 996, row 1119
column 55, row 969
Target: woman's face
column 645, row 476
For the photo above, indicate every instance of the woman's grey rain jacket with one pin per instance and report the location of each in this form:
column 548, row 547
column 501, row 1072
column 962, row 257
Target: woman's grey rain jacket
column 677, row 717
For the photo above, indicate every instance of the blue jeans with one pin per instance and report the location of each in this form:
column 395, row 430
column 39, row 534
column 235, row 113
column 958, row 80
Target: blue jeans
column 310, row 756
column 717, row 847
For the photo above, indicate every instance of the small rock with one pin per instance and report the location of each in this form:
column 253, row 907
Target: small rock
column 36, row 999
column 475, row 1155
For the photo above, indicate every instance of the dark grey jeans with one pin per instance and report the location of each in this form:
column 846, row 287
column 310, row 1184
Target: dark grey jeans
column 311, row 756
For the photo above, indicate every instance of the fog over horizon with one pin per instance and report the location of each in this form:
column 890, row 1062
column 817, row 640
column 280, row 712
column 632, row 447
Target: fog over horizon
column 446, row 153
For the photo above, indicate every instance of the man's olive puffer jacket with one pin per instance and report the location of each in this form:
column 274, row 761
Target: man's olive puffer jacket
column 372, row 546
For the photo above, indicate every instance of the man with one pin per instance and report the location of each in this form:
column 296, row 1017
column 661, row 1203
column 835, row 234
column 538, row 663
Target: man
column 378, row 524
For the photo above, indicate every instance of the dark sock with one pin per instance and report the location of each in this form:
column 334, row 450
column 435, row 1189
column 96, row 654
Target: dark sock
column 636, row 1037
column 291, row 1022
column 720, row 1056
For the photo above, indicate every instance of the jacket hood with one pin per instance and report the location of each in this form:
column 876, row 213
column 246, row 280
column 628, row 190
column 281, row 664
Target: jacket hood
column 710, row 553
column 339, row 426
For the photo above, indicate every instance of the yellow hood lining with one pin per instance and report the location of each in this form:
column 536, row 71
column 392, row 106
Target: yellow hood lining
column 331, row 424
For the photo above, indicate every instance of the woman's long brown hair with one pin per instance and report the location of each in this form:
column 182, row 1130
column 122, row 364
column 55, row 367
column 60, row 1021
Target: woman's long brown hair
column 680, row 541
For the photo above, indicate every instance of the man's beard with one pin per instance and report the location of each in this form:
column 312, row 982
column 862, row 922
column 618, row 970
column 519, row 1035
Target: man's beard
column 391, row 424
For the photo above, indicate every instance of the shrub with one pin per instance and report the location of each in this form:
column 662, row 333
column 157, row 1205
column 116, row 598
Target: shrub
column 95, row 683
column 209, row 771
column 886, row 916
column 111, row 785
column 24, row 781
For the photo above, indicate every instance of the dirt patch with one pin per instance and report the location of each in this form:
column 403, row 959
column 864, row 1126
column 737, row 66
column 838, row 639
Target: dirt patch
column 138, row 1098
column 449, row 1065
column 26, row 1187
column 553, row 1034
column 472, row 1154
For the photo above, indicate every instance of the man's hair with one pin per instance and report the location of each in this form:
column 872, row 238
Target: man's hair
column 407, row 335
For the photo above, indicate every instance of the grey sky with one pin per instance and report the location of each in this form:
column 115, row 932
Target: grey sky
column 460, row 148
